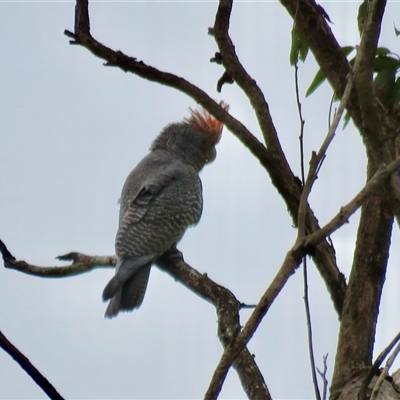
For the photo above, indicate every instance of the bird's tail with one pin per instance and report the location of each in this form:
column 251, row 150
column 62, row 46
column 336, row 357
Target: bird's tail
column 131, row 294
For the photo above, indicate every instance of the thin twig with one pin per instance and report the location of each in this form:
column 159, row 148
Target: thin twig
column 249, row 86
column 302, row 122
column 317, row 158
column 384, row 373
column 309, row 331
column 353, row 205
column 362, row 393
column 29, row 368
column 305, row 280
column 324, row 378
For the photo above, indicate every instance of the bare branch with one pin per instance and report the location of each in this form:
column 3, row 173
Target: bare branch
column 362, row 394
column 118, row 59
column 350, row 208
column 317, row 158
column 364, row 66
column 305, row 273
column 367, row 276
column 301, row 121
column 235, row 69
column 30, row 369
column 81, row 263
column 302, row 247
column 227, row 307
column 384, row 373
column 322, row 374
column 309, row 331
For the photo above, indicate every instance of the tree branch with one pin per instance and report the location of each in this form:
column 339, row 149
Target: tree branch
column 359, row 318
column 372, row 186
column 30, row 369
column 301, row 248
column 279, row 170
column 249, row 86
column 312, row 22
column 227, row 306
column 118, row 59
column 81, row 263
column 371, row 119
column 322, row 374
column 384, row 373
column 316, row 159
column 362, row 394
column 309, row 331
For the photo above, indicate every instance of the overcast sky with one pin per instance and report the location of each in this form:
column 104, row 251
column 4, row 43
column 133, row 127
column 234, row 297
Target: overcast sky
column 71, row 131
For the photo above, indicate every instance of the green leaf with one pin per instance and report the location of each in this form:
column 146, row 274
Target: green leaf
column 303, row 51
column 396, row 97
column 385, row 76
column 385, row 86
column 382, row 51
column 362, row 10
column 347, row 50
column 386, row 62
column 299, row 48
column 346, row 120
column 320, row 76
column 317, row 81
column 396, row 31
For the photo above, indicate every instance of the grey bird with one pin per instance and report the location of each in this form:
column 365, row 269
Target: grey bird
column 160, row 199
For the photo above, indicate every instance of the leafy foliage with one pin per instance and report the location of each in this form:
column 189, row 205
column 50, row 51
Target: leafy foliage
column 386, row 69
column 299, row 48
column 320, row 76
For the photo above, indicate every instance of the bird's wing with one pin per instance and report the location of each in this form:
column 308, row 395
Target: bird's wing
column 167, row 202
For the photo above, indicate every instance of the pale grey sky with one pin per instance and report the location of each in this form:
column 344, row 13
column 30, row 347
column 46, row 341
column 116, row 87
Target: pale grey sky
column 71, row 131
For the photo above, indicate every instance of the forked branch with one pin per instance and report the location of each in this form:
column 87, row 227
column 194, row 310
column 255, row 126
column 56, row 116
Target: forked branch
column 301, row 248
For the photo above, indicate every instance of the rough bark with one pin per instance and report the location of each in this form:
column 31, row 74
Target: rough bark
column 361, row 306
